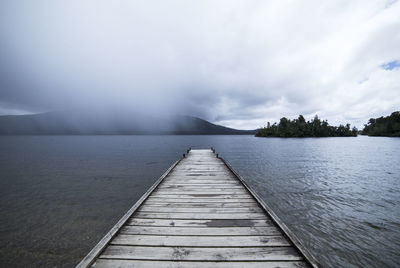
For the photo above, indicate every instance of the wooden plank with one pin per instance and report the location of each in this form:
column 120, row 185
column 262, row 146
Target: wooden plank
column 200, row 241
column 203, row 165
column 208, row 182
column 189, row 166
column 203, row 182
column 188, row 170
column 214, row 191
column 201, row 223
column 169, row 187
column 195, row 190
column 202, row 205
column 200, row 186
column 201, row 169
column 200, row 216
column 214, row 181
column 200, row 189
column 106, row 263
column 201, row 174
column 150, row 209
column 174, row 230
column 201, row 254
column 204, row 177
column 200, row 200
column 198, row 195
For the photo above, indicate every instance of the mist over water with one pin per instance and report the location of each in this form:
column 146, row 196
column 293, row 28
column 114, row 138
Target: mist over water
column 59, row 195
column 235, row 63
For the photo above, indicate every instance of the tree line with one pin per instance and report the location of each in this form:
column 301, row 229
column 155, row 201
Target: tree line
column 299, row 128
column 383, row 126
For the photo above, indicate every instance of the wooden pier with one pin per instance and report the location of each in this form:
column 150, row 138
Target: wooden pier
column 200, row 213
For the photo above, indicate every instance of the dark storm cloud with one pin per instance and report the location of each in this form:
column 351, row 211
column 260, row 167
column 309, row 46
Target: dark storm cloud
column 239, row 63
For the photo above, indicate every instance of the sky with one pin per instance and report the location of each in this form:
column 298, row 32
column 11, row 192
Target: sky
column 236, row 63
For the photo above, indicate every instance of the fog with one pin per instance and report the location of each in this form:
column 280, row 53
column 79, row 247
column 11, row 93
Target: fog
column 235, row 63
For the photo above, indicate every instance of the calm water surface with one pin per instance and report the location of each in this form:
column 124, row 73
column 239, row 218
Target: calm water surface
column 60, row 194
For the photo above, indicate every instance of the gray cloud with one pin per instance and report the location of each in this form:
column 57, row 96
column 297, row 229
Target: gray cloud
column 238, row 63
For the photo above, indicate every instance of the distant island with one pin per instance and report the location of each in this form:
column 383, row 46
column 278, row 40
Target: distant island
column 300, row 128
column 383, row 126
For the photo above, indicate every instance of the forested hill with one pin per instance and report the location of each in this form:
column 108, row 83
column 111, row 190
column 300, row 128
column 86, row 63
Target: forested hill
column 299, row 128
column 62, row 123
column 383, row 126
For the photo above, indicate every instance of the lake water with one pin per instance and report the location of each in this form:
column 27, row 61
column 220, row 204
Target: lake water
column 59, row 195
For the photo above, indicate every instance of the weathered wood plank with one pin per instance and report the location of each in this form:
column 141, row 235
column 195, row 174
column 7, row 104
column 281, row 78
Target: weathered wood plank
column 104, row 263
column 220, row 178
column 151, row 209
column 187, row 192
column 202, row 164
column 201, row 223
column 200, row 216
column 202, row 205
column 201, row 190
column 174, row 230
column 201, row 254
column 201, row 175
column 203, row 168
column 197, row 195
column 200, row 186
column 200, row 200
column 199, row 181
column 203, row 182
column 200, row 241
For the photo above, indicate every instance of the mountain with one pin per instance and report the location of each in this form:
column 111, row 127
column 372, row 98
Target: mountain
column 59, row 123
